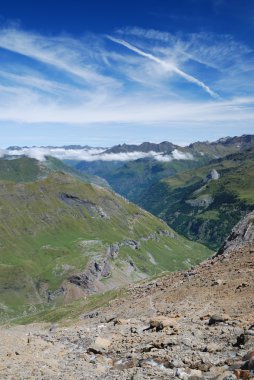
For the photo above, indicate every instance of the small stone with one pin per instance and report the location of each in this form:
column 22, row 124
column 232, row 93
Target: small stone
column 242, row 374
column 187, row 373
column 120, row 321
column 249, row 355
column 53, row 328
column 248, row 365
column 216, row 319
column 122, row 364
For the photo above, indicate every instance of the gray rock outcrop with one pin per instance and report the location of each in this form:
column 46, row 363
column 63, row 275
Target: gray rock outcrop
column 241, row 235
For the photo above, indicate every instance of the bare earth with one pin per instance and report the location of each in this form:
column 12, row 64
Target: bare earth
column 162, row 330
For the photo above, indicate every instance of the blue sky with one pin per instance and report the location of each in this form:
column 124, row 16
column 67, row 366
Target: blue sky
column 107, row 72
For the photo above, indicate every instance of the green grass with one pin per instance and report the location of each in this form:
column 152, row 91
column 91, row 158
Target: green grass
column 26, row 169
column 178, row 199
column 209, row 215
column 44, row 238
column 71, row 311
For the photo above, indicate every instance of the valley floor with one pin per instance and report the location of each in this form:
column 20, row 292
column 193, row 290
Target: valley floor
column 197, row 324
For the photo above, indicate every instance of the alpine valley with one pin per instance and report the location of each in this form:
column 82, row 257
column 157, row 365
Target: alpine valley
column 200, row 190
column 64, row 238
column 107, row 263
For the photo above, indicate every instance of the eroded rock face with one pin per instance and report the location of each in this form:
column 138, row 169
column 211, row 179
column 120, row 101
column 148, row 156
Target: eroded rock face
column 241, row 235
column 95, row 271
column 90, row 207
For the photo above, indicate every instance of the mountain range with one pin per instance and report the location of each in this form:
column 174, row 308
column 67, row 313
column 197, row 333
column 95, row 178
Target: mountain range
column 180, row 191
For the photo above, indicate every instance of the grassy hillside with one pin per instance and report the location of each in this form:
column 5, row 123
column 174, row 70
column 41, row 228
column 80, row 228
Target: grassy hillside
column 26, row 169
column 57, row 230
column 201, row 208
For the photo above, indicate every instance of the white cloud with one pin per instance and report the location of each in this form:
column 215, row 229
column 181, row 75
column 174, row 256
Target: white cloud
column 63, row 53
column 178, row 155
column 93, row 154
column 167, row 66
column 213, row 50
column 91, row 81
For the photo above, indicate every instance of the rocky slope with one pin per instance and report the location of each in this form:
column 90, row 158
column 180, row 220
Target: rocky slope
column 240, row 236
column 195, row 324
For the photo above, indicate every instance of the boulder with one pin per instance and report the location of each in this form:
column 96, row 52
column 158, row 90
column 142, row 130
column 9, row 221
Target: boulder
column 100, row 345
column 161, row 322
column 217, row 319
column 188, row 374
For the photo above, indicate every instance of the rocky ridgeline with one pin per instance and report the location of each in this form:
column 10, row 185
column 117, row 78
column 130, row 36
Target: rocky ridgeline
column 195, row 324
column 242, row 235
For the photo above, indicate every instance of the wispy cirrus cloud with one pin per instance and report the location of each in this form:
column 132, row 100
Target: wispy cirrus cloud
column 63, row 53
column 209, row 49
column 167, row 66
column 137, row 76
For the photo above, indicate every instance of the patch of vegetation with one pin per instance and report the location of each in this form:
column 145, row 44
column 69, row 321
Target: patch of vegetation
column 71, row 311
column 178, row 200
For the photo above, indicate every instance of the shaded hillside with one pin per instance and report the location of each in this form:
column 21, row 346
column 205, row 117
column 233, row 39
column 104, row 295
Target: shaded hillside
column 62, row 239
column 204, row 204
column 132, row 178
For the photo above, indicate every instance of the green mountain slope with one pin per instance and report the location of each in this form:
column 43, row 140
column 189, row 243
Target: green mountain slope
column 132, row 178
column 61, row 239
column 203, row 208
column 25, row 169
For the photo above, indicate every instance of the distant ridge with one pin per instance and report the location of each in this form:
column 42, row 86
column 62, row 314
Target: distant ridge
column 242, row 142
column 163, row 147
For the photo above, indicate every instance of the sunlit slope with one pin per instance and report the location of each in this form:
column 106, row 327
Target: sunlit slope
column 26, row 169
column 55, row 228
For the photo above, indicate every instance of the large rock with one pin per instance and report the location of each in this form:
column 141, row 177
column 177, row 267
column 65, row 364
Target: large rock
column 161, row 322
column 100, row 345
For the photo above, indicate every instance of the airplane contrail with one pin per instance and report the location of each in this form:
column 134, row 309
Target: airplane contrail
column 166, row 65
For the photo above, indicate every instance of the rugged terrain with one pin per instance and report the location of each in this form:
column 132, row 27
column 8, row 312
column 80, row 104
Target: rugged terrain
column 200, row 191
column 61, row 239
column 204, row 204
column 195, row 324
